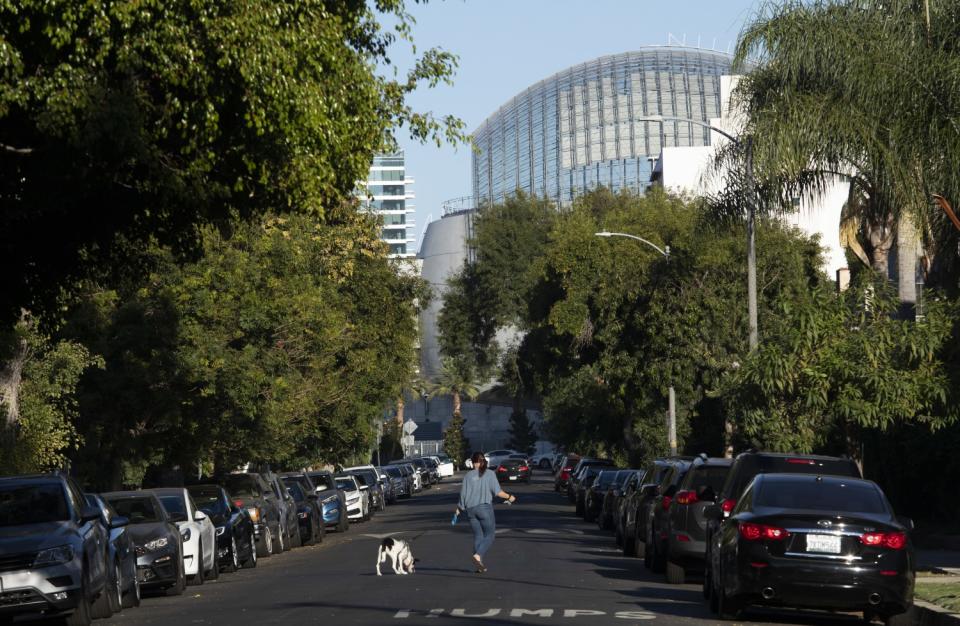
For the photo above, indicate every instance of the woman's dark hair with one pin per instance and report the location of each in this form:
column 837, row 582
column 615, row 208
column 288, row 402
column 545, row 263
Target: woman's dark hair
column 479, row 462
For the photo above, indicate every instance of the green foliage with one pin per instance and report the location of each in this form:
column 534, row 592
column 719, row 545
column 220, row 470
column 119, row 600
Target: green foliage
column 455, row 444
column 125, row 122
column 45, row 431
column 832, row 366
column 523, row 435
column 282, row 344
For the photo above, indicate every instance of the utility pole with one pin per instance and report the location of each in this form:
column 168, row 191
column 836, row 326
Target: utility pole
column 672, row 428
column 751, row 249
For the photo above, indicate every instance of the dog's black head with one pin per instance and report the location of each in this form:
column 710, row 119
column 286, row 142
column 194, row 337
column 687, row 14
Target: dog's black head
column 387, row 543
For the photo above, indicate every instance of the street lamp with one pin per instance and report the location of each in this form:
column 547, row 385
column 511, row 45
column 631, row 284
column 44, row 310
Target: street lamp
column 747, row 147
column 672, row 396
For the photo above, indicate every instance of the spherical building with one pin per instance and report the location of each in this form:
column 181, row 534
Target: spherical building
column 589, row 125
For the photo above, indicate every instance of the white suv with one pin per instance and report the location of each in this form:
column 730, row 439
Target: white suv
column 495, row 457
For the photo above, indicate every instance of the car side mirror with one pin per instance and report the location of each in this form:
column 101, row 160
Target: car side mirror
column 119, row 521
column 199, row 516
column 906, row 522
column 713, row 512
column 90, row 513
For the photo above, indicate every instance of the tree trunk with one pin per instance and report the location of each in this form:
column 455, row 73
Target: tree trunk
column 908, row 247
column 728, row 431
column 11, row 377
column 401, row 405
column 456, row 402
column 880, row 233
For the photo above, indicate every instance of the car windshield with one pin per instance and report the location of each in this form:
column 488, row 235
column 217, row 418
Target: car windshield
column 209, row 501
column 363, row 480
column 369, row 477
column 605, row 479
column 346, row 484
column 322, row 480
column 295, row 490
column 137, row 510
column 394, row 471
column 175, row 506
column 623, row 477
column 242, row 486
column 821, row 496
column 32, row 504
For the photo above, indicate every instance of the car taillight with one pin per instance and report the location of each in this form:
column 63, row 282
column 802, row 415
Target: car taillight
column 665, row 503
column 755, row 532
column 238, row 503
column 524, row 468
column 565, row 474
column 501, row 469
column 894, row 541
column 687, row 497
column 728, row 505
column 801, row 461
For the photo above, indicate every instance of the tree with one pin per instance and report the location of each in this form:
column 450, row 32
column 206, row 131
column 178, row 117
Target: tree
column 523, row 435
column 458, row 379
column 455, row 444
column 119, row 127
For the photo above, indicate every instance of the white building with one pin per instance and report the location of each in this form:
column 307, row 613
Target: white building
column 388, row 193
column 683, row 169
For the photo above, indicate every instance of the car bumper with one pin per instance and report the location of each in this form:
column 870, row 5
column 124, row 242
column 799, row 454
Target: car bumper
column 686, row 553
column 155, row 570
column 46, row 590
column 836, row 586
column 354, row 510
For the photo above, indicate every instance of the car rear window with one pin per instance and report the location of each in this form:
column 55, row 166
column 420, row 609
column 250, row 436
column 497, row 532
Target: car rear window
column 208, row 500
column 242, row 486
column 32, row 504
column 790, row 465
column 137, row 510
column 706, row 476
column 322, row 479
column 605, row 479
column 820, row 496
column 295, row 490
column 175, row 506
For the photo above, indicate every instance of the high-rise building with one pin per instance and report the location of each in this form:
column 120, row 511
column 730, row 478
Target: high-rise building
column 594, row 124
column 388, row 193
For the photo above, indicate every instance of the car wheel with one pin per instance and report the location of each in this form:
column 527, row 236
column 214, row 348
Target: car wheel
column 901, row 619
column 181, row 584
column 214, row 573
column 321, row 531
column 658, row 562
column 675, row 574
column 116, row 590
column 101, row 608
column 727, row 607
column 281, row 538
column 197, row 579
column 82, row 614
column 251, row 561
column 629, row 545
column 131, row 599
column 265, row 545
column 297, row 541
column 648, row 552
column 234, row 564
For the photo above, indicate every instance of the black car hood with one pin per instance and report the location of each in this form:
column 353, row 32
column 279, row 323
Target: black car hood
column 36, row 537
column 142, row 533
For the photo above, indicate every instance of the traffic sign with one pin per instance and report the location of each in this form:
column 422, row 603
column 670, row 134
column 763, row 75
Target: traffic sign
column 409, row 426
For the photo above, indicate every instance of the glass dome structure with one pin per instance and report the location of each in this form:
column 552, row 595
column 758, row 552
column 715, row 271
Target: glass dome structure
column 584, row 127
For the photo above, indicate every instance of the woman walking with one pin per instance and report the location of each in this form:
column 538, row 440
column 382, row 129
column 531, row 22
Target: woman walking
column 476, row 499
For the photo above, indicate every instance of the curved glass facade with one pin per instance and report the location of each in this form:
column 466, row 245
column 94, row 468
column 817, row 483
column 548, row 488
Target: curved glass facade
column 583, row 127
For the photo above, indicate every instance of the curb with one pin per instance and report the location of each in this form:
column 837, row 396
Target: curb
column 926, row 614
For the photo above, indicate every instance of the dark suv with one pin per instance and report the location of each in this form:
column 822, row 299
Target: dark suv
column 53, row 550
column 252, row 492
column 686, row 527
column 636, row 505
column 746, row 467
column 578, row 472
column 653, row 533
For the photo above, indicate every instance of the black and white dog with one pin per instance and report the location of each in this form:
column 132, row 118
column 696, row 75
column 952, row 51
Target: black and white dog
column 398, row 552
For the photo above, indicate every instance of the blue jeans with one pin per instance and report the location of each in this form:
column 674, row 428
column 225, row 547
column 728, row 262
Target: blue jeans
column 484, row 526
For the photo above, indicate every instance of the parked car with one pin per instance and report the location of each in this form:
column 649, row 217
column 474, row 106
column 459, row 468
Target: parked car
column 564, row 470
column 309, row 490
column 433, row 467
column 250, row 491
column 595, row 494
column 332, row 500
column 626, row 495
column 122, row 558
column 658, row 516
column 495, row 456
column 444, row 465
column 606, row 518
column 236, row 537
column 358, row 506
column 686, row 527
column 544, row 461
column 813, row 541
column 402, row 481
column 636, row 505
column 513, row 470
column 53, row 550
column 198, row 532
column 573, row 486
column 309, row 515
column 369, row 479
column 418, row 482
column 427, row 477
column 389, row 492
column 585, row 481
column 748, row 465
column 289, row 524
column 159, row 545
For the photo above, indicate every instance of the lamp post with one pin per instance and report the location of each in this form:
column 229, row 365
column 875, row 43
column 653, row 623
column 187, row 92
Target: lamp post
column 671, row 398
column 747, row 147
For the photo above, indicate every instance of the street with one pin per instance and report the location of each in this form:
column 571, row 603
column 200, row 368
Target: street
column 546, row 566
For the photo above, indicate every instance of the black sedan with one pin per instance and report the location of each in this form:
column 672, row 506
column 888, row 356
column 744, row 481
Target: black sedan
column 810, row 541
column 596, row 492
column 309, row 511
column 157, row 539
column 122, row 557
column 513, row 470
column 236, row 537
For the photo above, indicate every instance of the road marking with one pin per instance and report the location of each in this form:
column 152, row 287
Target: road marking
column 381, row 536
column 555, row 613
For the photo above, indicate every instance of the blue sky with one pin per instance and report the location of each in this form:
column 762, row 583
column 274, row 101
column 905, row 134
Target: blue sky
column 506, row 45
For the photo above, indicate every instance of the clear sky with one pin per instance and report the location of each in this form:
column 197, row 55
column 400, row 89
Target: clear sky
column 507, row 45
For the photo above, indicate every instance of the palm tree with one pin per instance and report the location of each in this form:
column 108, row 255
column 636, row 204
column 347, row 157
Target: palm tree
column 457, row 378
column 863, row 89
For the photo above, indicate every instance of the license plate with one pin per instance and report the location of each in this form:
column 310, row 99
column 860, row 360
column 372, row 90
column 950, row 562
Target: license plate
column 829, row 544
column 513, row 478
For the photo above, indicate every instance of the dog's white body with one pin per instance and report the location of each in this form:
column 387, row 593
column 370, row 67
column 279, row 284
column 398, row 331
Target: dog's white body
column 398, row 552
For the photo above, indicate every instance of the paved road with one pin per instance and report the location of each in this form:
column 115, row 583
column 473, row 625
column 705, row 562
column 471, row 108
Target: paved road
column 546, row 567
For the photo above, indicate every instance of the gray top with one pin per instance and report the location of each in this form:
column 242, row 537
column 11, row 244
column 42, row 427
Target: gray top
column 478, row 489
